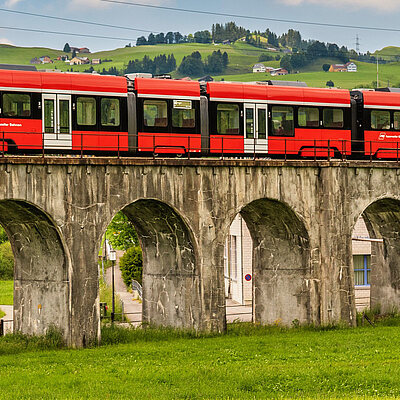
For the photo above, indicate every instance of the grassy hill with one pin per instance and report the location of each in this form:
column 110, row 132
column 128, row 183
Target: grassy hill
column 242, row 57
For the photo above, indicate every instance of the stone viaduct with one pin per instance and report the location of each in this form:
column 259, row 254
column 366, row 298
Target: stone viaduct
column 300, row 215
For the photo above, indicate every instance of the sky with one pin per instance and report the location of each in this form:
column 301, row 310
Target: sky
column 370, row 13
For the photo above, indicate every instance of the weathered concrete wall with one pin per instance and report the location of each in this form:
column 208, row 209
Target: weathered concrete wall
column 300, row 215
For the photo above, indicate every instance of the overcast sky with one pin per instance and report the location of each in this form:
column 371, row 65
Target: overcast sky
column 372, row 13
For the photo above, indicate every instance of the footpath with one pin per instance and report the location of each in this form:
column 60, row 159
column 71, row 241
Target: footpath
column 130, row 305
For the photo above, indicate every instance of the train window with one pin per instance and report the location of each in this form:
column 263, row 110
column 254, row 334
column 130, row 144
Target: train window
column 16, row 105
column 282, row 121
column 249, row 123
column 155, row 113
column 86, row 111
column 396, row 120
column 228, row 119
column 183, row 115
column 333, row 118
column 109, row 112
column 380, row 119
column 308, row 117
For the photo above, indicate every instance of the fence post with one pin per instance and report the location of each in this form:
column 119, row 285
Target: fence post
column 3, row 143
column 1, row 327
column 43, row 144
column 154, row 146
column 222, row 150
column 81, row 144
column 118, row 143
column 315, row 150
column 285, row 150
column 370, row 151
column 397, row 151
column 329, row 150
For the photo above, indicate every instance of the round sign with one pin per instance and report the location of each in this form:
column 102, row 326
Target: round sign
column 248, row 277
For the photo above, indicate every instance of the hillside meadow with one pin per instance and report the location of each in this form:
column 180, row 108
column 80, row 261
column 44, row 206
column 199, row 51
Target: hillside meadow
column 249, row 362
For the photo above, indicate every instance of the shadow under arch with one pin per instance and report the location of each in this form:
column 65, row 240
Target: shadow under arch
column 171, row 280
column 41, row 276
column 382, row 219
column 281, row 263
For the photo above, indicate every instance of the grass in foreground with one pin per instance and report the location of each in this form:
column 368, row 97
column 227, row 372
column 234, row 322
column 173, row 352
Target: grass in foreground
column 247, row 363
column 6, row 292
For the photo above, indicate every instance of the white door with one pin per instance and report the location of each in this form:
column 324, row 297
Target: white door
column 255, row 128
column 57, row 121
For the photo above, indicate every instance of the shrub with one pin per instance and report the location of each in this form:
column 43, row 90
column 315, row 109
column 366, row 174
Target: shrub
column 131, row 265
column 6, row 262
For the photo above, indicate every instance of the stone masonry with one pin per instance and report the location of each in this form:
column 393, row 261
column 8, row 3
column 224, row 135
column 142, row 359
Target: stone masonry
column 300, row 215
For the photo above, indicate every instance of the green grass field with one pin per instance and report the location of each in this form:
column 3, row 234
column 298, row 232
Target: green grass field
column 388, row 73
column 247, row 363
column 6, row 292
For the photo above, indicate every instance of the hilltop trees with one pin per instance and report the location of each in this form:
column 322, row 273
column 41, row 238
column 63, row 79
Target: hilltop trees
column 67, row 48
column 193, row 65
column 161, row 64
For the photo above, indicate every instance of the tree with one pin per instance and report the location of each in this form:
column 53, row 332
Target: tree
column 286, row 63
column 121, row 233
column 151, row 39
column 326, row 67
column 67, row 48
column 131, row 265
column 141, row 41
column 73, row 54
column 330, row 84
column 298, row 60
column 225, row 59
column 192, row 65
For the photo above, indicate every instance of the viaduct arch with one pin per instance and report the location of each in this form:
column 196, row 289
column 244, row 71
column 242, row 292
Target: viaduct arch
column 300, row 214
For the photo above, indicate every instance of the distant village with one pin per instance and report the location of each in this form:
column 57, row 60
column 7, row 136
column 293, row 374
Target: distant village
column 261, row 68
column 73, row 60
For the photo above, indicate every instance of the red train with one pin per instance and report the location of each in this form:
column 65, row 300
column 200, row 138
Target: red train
column 67, row 112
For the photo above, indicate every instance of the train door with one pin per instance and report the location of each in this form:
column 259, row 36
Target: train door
column 57, row 121
column 255, row 129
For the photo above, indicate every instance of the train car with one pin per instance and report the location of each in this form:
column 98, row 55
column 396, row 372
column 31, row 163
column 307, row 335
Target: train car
column 62, row 112
column 378, row 123
column 168, row 116
column 279, row 120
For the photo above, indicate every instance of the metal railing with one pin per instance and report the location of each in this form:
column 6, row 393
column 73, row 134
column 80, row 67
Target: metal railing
column 138, row 287
column 3, row 326
column 116, row 144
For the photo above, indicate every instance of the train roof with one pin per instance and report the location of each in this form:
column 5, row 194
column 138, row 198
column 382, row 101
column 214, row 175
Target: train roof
column 165, row 88
column 279, row 94
column 381, row 99
column 63, row 82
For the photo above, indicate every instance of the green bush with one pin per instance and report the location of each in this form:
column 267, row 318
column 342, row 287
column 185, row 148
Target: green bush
column 131, row 265
column 6, row 261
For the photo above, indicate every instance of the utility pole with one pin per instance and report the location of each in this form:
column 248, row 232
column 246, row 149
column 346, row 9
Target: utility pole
column 357, row 44
column 113, row 257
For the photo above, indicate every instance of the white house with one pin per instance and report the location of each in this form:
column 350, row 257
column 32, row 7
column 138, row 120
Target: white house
column 238, row 263
column 351, row 67
column 259, row 68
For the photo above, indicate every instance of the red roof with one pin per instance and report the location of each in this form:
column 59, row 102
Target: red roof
column 63, row 81
column 167, row 87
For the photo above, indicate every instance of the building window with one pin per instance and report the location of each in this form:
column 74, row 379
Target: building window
column 362, row 270
column 155, row 113
column 228, row 119
column 333, row 118
column 86, row 111
column 109, row 112
column 380, row 119
column 396, row 120
column 233, row 257
column 282, row 121
column 308, row 117
column 16, row 105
